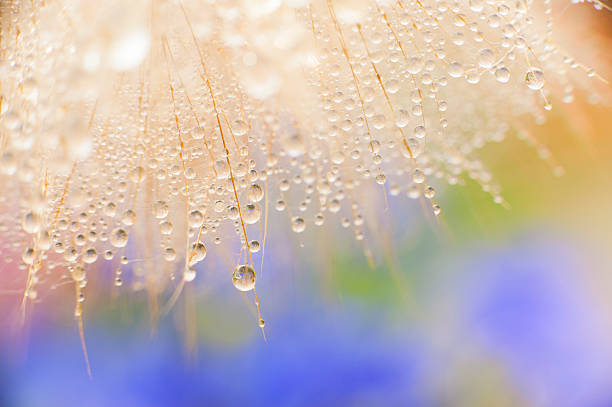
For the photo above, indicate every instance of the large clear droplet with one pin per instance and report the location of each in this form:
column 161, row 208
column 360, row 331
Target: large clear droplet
column 244, row 278
column 118, row 237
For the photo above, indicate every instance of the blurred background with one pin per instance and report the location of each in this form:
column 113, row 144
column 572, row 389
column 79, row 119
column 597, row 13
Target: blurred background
column 488, row 307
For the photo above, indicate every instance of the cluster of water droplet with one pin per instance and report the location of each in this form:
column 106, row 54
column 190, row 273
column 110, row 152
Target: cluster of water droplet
column 125, row 137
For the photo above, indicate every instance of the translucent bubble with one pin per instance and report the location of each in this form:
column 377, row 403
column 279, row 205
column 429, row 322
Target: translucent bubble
column 280, row 205
column 129, row 217
column 195, row 218
column 418, row 176
column 502, row 74
column 255, row 193
column 402, row 119
column 223, row 170
column 189, row 274
column 80, row 240
column 378, row 121
column 298, row 225
column 535, row 79
column 197, row 133
column 415, row 64
column 137, row 175
column 252, row 213
column 90, row 255
column 198, row 253
column 413, row 192
column 254, row 246
column 430, row 192
column 160, row 209
column 165, row 228
column 240, row 128
column 78, row 273
column 110, row 209
column 244, row 278
column 58, row 247
column 473, row 77
column 476, row 5
column 169, row 254
column 393, row 86
column 334, row 206
column 293, row 145
column 455, row 70
column 31, row 222
column 118, row 237
column 419, row 132
column 337, row 157
column 486, row 58
column 28, row 256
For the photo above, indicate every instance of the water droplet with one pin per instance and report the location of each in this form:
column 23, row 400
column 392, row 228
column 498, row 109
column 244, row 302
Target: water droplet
column 118, row 237
column 169, row 254
column 189, row 274
column 244, row 278
column 255, row 193
column 160, row 209
column 90, row 255
column 31, row 222
column 254, row 246
column 252, row 213
column 502, row 74
column 198, row 253
column 298, row 224
column 534, row 79
column 195, row 219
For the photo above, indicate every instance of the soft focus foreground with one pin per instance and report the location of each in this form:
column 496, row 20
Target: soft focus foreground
column 481, row 306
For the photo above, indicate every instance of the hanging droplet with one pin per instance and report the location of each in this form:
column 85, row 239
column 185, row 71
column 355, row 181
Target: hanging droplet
column 254, row 246
column 255, row 193
column 198, row 253
column 165, row 228
column 28, row 256
column 244, row 278
column 189, row 274
column 502, row 74
column 31, row 222
column 418, row 176
column 169, row 254
column 129, row 217
column 197, row 133
column 252, row 213
column 160, row 209
column 223, row 170
column 486, row 58
column 195, row 218
column 534, row 79
column 137, row 175
column 298, row 224
column 118, row 237
column 240, row 128
column 90, row 255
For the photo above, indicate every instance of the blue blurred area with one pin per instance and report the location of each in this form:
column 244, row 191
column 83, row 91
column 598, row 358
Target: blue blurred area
column 334, row 359
column 530, row 307
column 511, row 325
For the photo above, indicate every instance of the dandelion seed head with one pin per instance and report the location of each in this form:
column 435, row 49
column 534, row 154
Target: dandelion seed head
column 152, row 130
